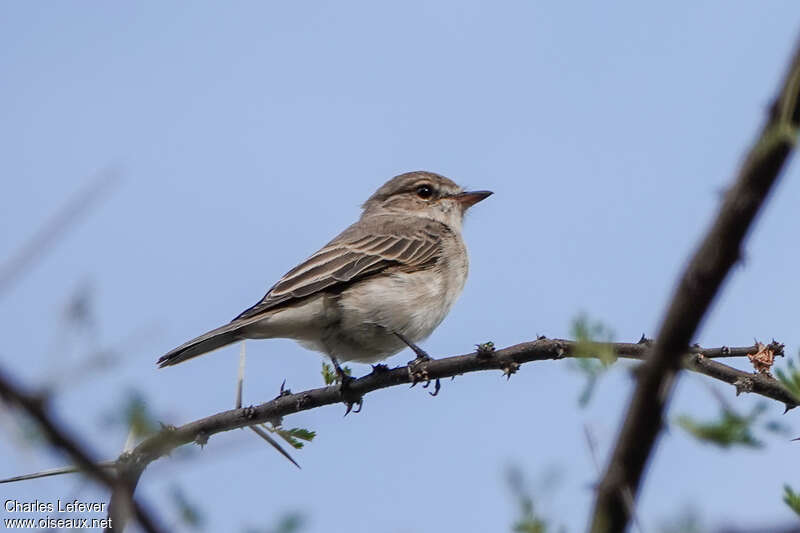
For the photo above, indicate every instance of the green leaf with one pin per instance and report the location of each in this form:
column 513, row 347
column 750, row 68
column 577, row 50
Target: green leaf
column 190, row 513
column 288, row 523
column 790, row 379
column 329, row 374
column 775, row 426
column 294, row 436
column 134, row 414
column 592, row 340
column 529, row 520
column 728, row 430
column 592, row 354
column 792, row 499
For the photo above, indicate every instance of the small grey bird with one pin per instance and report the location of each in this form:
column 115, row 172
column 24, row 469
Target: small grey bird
column 383, row 284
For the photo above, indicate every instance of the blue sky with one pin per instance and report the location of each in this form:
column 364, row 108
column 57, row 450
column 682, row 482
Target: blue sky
column 248, row 135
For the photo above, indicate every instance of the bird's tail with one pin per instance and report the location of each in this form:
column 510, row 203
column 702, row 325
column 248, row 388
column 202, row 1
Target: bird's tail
column 207, row 342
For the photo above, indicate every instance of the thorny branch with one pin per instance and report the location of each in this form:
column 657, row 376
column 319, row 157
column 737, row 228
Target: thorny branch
column 130, row 465
column 699, row 284
column 508, row 360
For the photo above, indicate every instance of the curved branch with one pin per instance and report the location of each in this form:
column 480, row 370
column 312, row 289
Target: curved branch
column 699, row 284
column 60, row 439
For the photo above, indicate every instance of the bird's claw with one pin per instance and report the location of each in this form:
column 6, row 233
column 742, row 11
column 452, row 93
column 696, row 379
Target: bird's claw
column 359, row 402
column 348, row 398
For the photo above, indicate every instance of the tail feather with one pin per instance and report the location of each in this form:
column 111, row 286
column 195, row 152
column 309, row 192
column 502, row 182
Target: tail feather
column 207, row 342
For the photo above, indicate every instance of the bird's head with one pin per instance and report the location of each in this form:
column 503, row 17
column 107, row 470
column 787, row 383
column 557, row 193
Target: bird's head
column 424, row 194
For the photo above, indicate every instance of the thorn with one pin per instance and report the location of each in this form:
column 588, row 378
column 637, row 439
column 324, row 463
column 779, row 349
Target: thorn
column 201, row 439
column 645, row 340
column 379, row 368
column 272, row 442
column 510, row 368
column 283, row 390
column 788, row 408
column 541, row 337
column 777, row 347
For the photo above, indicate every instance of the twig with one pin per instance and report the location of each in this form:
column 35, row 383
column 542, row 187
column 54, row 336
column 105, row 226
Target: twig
column 699, row 284
column 240, row 377
column 763, row 384
column 272, row 442
column 61, row 439
column 261, row 432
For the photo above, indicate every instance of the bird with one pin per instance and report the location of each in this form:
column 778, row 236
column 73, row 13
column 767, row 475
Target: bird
column 383, row 284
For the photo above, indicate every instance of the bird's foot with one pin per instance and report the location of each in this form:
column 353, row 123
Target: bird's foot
column 436, row 387
column 341, row 375
column 422, row 355
column 349, row 398
column 418, row 372
column 418, row 369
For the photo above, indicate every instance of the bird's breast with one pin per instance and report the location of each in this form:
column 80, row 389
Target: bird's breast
column 412, row 303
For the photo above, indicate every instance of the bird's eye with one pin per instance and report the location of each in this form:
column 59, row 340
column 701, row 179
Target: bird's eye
column 424, row 191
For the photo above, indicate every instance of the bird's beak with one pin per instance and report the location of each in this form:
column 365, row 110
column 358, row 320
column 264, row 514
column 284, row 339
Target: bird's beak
column 469, row 198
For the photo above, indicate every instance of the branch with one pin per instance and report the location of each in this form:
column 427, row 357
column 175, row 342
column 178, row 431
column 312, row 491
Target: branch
column 60, row 438
column 485, row 358
column 130, row 465
column 698, row 286
column 758, row 383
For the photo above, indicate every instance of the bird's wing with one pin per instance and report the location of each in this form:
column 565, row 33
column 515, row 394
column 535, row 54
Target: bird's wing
column 367, row 247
